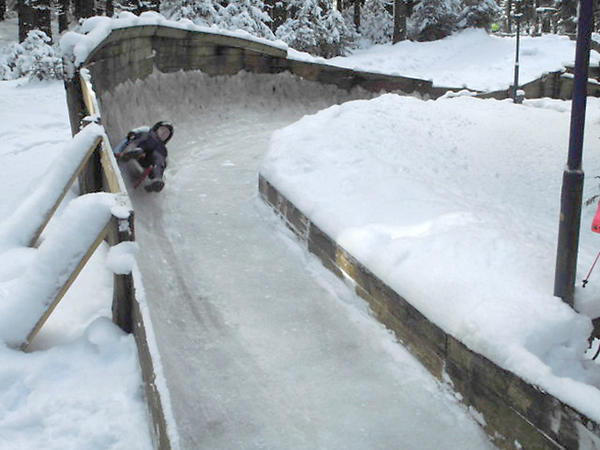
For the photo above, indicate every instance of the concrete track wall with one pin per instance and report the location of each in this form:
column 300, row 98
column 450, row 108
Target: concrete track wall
column 133, row 53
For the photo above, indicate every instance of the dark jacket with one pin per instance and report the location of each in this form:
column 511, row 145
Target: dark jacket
column 149, row 142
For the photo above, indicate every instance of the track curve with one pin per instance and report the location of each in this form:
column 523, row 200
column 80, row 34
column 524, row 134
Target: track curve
column 262, row 348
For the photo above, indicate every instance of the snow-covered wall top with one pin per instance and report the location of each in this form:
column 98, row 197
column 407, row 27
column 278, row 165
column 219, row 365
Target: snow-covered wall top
column 131, row 47
column 93, row 31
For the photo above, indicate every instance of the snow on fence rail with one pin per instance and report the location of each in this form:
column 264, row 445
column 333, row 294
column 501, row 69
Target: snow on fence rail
column 26, row 224
column 65, row 250
column 59, row 260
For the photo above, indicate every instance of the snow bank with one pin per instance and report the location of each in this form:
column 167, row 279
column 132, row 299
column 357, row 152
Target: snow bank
column 83, row 395
column 95, row 29
column 471, row 58
column 121, row 257
column 24, row 299
column 81, row 386
column 454, row 204
column 21, row 226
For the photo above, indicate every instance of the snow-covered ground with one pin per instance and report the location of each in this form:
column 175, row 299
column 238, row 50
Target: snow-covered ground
column 454, row 204
column 80, row 385
column 471, row 58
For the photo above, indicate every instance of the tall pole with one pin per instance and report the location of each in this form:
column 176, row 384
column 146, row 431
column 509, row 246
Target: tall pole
column 516, row 81
column 572, row 187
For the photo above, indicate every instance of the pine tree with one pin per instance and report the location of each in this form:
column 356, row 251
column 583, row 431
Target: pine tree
column 315, row 29
column 567, row 16
column 435, row 19
column 376, row 23
column 478, row 13
column 201, row 12
column 278, row 13
column 246, row 15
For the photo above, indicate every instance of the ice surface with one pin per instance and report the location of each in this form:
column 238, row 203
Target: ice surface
column 262, row 347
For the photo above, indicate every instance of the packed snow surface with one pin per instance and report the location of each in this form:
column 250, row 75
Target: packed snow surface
column 80, row 386
column 454, row 204
column 262, row 347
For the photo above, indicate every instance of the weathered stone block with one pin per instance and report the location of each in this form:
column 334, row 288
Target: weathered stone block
column 320, row 242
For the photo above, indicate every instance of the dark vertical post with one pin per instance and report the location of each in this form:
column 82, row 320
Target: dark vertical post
column 2, row 9
column 516, row 80
column 572, row 187
column 123, row 291
column 357, row 15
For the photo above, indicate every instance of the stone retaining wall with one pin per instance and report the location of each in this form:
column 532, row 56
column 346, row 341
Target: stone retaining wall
column 517, row 414
column 558, row 85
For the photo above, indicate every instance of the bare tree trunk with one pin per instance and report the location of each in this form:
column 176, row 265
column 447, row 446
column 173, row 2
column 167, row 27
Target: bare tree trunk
column 63, row 15
column 277, row 12
column 567, row 14
column 509, row 16
column 41, row 16
column 25, row 19
column 400, row 13
column 84, row 8
column 2, row 9
column 357, row 14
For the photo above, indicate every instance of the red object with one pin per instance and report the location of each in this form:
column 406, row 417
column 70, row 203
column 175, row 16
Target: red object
column 146, row 172
column 596, row 221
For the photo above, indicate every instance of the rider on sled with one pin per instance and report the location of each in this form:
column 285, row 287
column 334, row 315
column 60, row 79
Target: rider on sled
column 148, row 147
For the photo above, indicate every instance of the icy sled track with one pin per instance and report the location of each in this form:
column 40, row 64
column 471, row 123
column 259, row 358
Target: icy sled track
column 261, row 346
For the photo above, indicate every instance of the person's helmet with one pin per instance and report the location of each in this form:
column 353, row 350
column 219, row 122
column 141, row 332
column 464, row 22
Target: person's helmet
column 164, row 130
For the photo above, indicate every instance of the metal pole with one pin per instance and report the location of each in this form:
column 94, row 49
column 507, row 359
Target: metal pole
column 516, row 81
column 572, row 187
